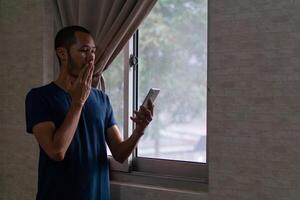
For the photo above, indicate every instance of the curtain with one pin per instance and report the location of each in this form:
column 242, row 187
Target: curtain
column 111, row 22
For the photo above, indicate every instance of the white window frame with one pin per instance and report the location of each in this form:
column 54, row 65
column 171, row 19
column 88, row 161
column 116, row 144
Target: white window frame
column 128, row 108
column 159, row 172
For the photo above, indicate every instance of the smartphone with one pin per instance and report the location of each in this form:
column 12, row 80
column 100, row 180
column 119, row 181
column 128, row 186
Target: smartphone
column 152, row 94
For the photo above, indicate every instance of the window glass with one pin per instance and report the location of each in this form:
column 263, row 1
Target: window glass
column 114, row 84
column 173, row 57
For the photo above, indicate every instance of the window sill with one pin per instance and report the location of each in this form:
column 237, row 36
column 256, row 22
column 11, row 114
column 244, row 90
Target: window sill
column 124, row 191
column 166, row 185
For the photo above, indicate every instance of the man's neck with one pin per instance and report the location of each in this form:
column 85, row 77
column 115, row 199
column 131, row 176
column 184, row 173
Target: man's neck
column 63, row 81
column 60, row 84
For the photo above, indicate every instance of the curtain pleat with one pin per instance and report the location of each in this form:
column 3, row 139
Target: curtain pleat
column 141, row 10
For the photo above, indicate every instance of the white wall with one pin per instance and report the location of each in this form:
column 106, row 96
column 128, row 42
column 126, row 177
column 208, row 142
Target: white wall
column 24, row 26
column 254, row 100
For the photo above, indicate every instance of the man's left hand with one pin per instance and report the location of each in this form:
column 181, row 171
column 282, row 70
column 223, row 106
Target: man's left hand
column 143, row 117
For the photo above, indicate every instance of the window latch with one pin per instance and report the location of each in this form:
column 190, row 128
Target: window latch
column 133, row 60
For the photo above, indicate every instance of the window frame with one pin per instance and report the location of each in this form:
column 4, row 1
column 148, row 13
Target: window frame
column 157, row 166
column 185, row 175
column 185, row 172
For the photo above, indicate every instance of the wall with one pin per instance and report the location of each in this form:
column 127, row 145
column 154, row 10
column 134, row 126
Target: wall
column 254, row 109
column 22, row 66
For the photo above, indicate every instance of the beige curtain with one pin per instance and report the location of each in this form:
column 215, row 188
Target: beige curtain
column 111, row 22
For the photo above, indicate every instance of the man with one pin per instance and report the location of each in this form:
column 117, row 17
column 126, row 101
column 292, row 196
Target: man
column 72, row 122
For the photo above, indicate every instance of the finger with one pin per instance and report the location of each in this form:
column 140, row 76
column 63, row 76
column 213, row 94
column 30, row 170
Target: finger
column 145, row 110
column 134, row 119
column 140, row 122
column 81, row 74
column 90, row 77
column 146, row 114
column 86, row 73
column 136, row 113
column 143, row 114
column 139, row 114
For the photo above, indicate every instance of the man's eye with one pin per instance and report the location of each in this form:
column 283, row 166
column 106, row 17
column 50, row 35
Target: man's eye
column 88, row 50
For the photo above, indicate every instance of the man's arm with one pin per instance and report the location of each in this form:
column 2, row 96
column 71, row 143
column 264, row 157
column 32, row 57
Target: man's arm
column 55, row 142
column 122, row 149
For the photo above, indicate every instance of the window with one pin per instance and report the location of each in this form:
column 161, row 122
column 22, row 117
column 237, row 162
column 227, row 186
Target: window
column 171, row 49
column 114, row 87
column 172, row 57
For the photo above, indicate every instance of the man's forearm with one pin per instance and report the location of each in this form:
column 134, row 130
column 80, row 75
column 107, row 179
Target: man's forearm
column 127, row 146
column 121, row 150
column 64, row 134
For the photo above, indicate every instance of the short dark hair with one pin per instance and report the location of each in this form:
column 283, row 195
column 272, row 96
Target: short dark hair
column 66, row 37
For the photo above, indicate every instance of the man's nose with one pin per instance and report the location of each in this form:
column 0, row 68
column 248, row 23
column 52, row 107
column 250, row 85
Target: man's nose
column 90, row 57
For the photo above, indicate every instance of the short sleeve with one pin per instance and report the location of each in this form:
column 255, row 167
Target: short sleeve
column 109, row 118
column 36, row 110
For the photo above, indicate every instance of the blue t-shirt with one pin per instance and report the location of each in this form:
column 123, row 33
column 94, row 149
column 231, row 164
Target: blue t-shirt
column 84, row 173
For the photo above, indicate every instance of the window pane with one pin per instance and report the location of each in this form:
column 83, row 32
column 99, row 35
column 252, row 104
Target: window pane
column 114, row 85
column 173, row 57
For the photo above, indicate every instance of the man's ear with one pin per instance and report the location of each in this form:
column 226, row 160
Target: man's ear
column 62, row 54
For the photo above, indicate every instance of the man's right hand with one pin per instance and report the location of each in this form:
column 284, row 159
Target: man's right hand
column 56, row 140
column 81, row 87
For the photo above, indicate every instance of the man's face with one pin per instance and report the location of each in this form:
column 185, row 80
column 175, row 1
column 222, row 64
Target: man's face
column 81, row 53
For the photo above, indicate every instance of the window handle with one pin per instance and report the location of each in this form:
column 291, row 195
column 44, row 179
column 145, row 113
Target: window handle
column 133, row 60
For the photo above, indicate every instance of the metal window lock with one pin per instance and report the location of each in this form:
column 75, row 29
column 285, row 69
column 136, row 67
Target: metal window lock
column 133, row 60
